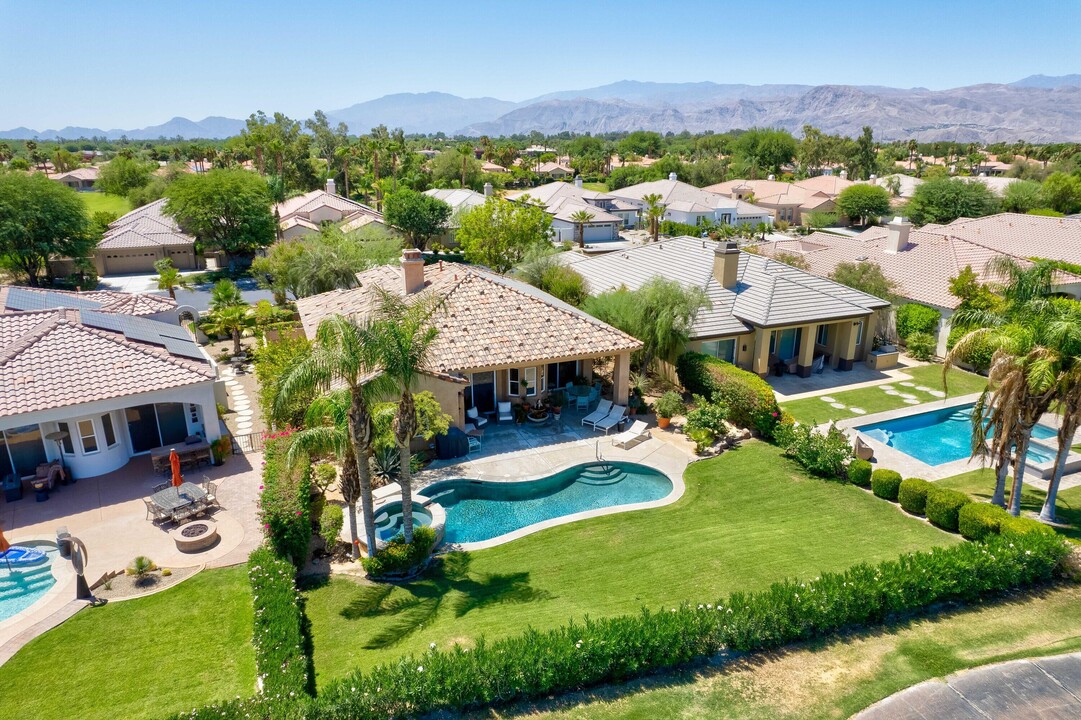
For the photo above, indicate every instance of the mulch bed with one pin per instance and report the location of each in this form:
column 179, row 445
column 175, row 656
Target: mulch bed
column 125, row 586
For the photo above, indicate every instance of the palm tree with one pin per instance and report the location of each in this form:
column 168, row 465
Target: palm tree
column 169, row 278
column 1069, row 403
column 580, row 218
column 225, row 294
column 234, row 320
column 344, row 354
column 466, row 151
column 403, row 340
column 654, row 213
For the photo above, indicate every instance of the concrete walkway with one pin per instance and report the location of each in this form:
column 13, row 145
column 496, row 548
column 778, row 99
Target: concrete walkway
column 1044, row 688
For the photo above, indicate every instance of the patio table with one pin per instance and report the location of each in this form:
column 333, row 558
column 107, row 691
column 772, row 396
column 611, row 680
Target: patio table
column 188, row 453
column 174, row 498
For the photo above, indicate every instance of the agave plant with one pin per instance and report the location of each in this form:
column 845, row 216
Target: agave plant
column 140, row 568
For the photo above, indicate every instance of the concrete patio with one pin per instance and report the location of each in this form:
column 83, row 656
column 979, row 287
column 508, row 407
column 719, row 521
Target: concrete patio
column 793, row 387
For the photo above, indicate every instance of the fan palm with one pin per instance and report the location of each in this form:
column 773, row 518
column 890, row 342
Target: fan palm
column 580, row 219
column 234, row 321
column 654, row 213
column 169, row 278
column 403, row 339
column 1069, row 400
column 224, row 294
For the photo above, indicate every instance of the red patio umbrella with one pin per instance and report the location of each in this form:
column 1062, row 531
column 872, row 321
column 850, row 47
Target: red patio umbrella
column 174, row 462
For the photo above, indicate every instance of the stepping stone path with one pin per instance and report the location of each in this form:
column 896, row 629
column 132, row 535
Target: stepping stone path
column 892, row 392
column 827, row 398
column 906, row 396
column 923, row 388
column 937, row 393
column 839, row 406
column 857, row 411
column 239, row 401
column 911, row 401
column 907, row 384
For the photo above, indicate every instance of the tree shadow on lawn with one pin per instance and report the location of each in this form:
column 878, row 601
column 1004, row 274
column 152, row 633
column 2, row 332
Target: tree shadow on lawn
column 418, row 602
column 928, row 656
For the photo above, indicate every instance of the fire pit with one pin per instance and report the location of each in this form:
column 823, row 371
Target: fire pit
column 195, row 536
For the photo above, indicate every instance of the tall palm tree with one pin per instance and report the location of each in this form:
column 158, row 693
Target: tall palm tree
column 403, row 339
column 466, row 151
column 580, row 219
column 654, row 213
column 344, row 354
column 225, row 294
column 169, row 278
column 1069, row 404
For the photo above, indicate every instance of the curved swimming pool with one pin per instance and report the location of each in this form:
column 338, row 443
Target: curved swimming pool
column 388, row 519
column 25, row 584
column 479, row 510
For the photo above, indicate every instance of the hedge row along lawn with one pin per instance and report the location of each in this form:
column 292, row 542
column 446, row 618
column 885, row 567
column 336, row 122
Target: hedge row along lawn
column 873, row 399
column 749, row 518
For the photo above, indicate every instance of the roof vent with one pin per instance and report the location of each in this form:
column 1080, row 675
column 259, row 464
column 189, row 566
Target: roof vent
column 861, row 258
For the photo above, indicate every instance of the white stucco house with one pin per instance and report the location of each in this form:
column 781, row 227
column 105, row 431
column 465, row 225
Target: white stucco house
column 120, row 377
column 564, row 200
column 687, row 204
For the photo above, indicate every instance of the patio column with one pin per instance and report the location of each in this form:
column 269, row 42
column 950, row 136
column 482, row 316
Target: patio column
column 806, row 350
column 760, row 359
column 586, row 369
column 846, row 344
column 621, row 379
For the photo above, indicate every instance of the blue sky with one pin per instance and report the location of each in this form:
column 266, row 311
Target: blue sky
column 118, row 63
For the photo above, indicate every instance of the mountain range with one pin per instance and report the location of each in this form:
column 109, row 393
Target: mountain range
column 1038, row 108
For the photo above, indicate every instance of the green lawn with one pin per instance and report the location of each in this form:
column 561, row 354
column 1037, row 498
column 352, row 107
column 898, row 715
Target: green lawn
column 748, row 518
column 980, row 484
column 100, row 202
column 828, row 680
column 874, row 399
column 147, row 658
column 597, row 186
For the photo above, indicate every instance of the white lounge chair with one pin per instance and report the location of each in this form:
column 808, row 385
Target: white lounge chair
column 818, row 364
column 637, row 432
column 504, row 412
column 612, row 419
column 474, row 416
column 600, row 413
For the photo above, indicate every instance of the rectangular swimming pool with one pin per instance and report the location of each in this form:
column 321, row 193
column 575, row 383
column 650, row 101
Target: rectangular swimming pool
column 942, row 436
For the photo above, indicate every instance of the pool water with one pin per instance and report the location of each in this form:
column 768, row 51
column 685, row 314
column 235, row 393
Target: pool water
column 388, row 519
column 21, row 587
column 480, row 510
column 942, row 436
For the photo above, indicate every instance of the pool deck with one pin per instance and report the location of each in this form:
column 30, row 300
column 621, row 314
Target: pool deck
column 908, row 466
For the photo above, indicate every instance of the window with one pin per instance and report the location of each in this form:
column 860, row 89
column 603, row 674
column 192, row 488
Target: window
column 560, row 375
column 193, row 410
column 823, row 336
column 723, row 349
column 69, row 447
column 107, row 427
column 88, row 437
column 859, row 333
column 517, row 376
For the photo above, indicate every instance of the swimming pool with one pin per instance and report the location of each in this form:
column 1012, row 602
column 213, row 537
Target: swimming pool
column 21, row 587
column 388, row 519
column 481, row 510
column 942, row 436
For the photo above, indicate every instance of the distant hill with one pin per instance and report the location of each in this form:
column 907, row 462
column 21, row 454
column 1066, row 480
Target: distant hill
column 208, row 128
column 429, row 112
column 1049, row 81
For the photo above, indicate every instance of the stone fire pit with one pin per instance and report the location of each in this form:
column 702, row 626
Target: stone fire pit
column 195, row 536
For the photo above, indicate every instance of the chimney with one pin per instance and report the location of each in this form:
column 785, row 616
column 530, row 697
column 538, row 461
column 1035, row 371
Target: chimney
column 577, row 181
column 673, row 177
column 771, row 176
column 331, row 189
column 844, row 174
column 897, row 237
column 412, row 270
column 726, row 264
column 487, row 189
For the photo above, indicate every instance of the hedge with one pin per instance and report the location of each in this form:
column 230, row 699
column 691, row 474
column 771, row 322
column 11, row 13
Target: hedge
column 1022, row 526
column 398, row 557
column 943, row 505
column 912, row 494
column 280, row 643
column 285, row 503
column 885, row 484
column 749, row 399
column 859, row 473
column 580, row 655
column 916, row 318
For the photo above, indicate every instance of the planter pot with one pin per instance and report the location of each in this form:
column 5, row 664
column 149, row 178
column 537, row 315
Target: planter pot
column 662, row 422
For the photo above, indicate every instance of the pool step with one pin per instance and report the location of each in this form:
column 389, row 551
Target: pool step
column 27, row 583
column 601, row 475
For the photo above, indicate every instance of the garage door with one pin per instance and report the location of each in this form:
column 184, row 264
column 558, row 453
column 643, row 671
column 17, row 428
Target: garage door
column 599, row 233
column 119, row 262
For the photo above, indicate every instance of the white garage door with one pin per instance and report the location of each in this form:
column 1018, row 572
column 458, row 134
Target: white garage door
column 599, row 233
column 119, row 262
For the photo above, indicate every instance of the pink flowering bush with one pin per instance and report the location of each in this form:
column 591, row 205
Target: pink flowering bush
column 284, row 503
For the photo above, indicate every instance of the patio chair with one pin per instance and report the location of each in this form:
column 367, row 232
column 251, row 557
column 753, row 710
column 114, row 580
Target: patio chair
column 474, row 417
column 600, row 413
column 637, row 432
column 581, row 402
column 863, row 450
column 181, row 514
column 152, row 510
column 612, row 419
column 211, row 494
column 474, row 443
column 505, row 412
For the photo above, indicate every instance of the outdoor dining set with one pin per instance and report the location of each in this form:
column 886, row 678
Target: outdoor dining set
column 178, row 503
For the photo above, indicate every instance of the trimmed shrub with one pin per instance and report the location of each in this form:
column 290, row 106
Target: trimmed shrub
column 859, row 472
column 285, row 503
column 749, row 399
column 279, row 638
column 330, row 524
column 916, row 318
column 943, row 505
column 886, row 483
column 669, row 405
column 976, row 521
column 1015, row 526
column 922, row 346
column 912, row 494
column 824, row 455
column 398, row 557
column 706, row 415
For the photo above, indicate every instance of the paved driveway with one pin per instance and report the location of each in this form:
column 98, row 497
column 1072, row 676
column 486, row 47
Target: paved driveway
column 1044, row 688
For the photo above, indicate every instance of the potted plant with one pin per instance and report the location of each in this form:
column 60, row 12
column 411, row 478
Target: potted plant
column 633, row 403
column 555, row 401
column 670, row 405
column 524, row 384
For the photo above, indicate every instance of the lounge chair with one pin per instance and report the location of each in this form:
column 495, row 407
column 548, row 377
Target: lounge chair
column 612, row 419
column 637, row 432
column 600, row 413
column 474, row 417
column 504, row 412
column 863, row 450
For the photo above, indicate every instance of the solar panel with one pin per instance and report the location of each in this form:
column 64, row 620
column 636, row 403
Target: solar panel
column 100, row 320
column 187, row 348
column 19, row 299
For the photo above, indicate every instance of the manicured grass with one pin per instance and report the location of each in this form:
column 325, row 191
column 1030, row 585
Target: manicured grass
column 827, row 680
column 100, row 202
column 748, row 518
column 597, row 186
column 147, row 658
column 874, row 399
column 980, row 485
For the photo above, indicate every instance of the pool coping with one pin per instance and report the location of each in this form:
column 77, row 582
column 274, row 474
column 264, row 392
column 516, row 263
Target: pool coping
column 910, row 466
column 43, row 614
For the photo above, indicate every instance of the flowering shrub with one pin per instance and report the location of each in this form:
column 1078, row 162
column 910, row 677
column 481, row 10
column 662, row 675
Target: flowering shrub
column 824, row 455
column 284, row 505
column 943, row 505
column 280, row 645
column 398, row 557
column 749, row 399
column 885, row 483
column 538, row 664
column 912, row 494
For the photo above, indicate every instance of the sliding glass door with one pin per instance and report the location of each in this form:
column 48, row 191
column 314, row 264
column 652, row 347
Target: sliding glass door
column 24, row 450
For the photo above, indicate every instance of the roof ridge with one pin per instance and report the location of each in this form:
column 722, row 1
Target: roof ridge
column 30, row 337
